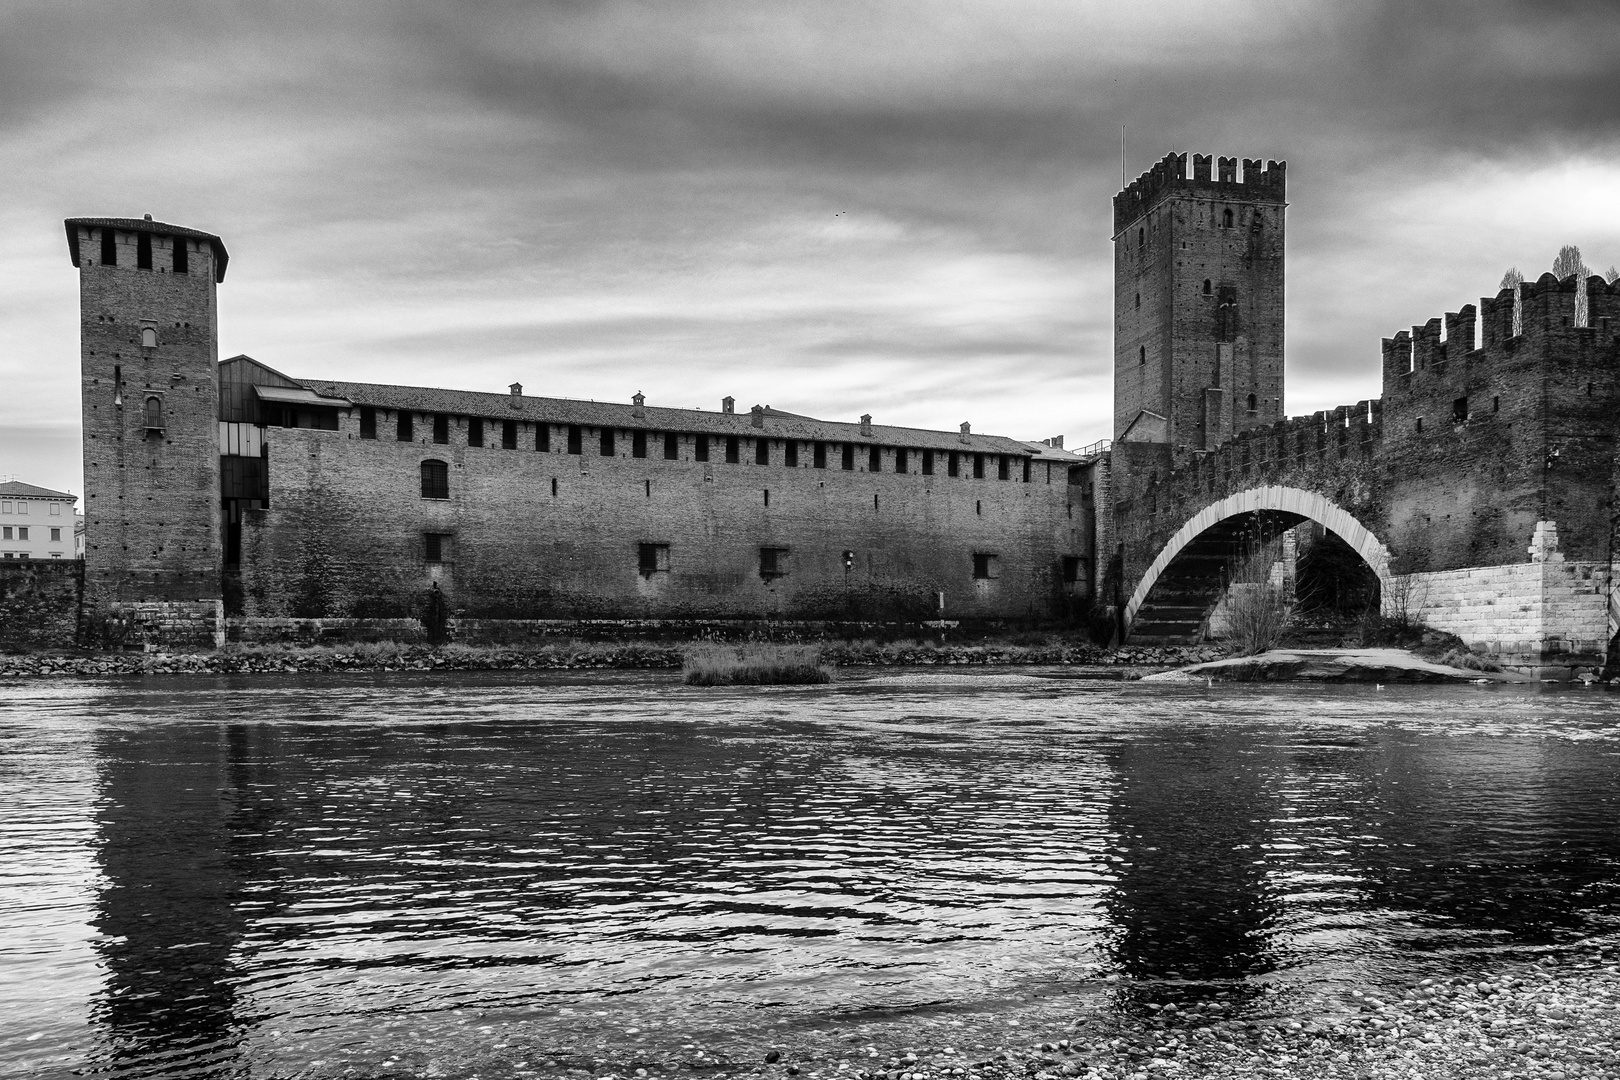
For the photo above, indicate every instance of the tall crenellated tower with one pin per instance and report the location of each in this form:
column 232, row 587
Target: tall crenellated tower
column 148, row 366
column 1198, row 301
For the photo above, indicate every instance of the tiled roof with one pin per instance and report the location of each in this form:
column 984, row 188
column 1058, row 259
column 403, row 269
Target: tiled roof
column 17, row 490
column 146, row 225
column 777, row 424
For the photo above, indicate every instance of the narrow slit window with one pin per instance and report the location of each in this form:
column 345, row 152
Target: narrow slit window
column 143, row 251
column 608, row 449
column 1254, row 404
column 1226, row 219
column 1026, row 472
column 435, row 479
column 1141, row 354
column 182, row 264
column 638, row 444
column 672, row 446
column 508, row 434
column 441, row 429
column 475, row 431
column 403, row 428
column 1208, row 287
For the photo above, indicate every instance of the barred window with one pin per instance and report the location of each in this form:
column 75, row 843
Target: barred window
column 435, row 480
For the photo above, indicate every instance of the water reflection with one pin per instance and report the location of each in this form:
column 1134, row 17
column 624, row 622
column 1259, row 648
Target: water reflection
column 282, row 864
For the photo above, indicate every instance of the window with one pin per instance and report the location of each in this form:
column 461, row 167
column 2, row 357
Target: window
column 700, row 448
column 1459, row 411
column 368, row 422
column 435, row 547
column 985, row 566
column 607, row 447
column 441, row 429
column 762, row 451
column 818, row 455
column 1208, row 287
column 1226, row 219
column 978, row 466
column 109, row 248
column 790, row 453
column 1141, row 237
column 733, row 450
column 1420, row 425
column 638, row 444
column 56, row 536
column 542, row 438
column 953, row 464
column 1071, row 568
column 508, row 434
column 772, row 562
column 1138, row 299
column 402, row 429
column 1254, row 404
column 148, row 337
column 900, row 459
column 154, row 414
column 928, row 463
column 1141, row 354
column 874, row 459
column 143, row 251
column 56, row 509
column 5, row 534
column 1496, row 403
column 652, row 559
column 435, row 480
column 848, row 462
column 475, row 431
column 1002, row 463
column 181, row 254
column 575, row 439
column 22, row 532
column 672, row 446
column 1026, row 472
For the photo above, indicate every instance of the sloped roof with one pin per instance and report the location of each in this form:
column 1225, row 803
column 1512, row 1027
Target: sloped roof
column 15, row 489
column 145, row 225
column 299, row 395
column 777, row 424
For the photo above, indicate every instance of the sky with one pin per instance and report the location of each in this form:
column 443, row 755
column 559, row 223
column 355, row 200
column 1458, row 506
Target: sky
column 834, row 208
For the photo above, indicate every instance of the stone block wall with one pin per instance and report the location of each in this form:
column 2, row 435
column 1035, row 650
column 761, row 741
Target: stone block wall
column 175, row 624
column 39, row 603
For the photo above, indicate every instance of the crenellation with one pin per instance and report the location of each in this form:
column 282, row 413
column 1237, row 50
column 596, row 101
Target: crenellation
column 1460, row 331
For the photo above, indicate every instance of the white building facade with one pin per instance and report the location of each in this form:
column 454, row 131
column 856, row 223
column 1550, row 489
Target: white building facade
column 36, row 522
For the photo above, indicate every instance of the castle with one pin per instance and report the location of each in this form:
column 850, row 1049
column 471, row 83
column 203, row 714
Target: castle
column 1479, row 489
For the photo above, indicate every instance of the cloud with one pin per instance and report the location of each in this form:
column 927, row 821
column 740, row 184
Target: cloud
column 889, row 206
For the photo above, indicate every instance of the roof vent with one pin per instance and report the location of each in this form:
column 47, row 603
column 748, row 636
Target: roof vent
column 728, row 404
column 757, row 416
column 866, row 423
column 638, row 400
column 967, row 429
column 148, row 217
column 517, row 389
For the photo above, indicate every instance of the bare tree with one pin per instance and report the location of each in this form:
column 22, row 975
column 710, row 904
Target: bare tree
column 1512, row 280
column 1569, row 262
column 1612, row 275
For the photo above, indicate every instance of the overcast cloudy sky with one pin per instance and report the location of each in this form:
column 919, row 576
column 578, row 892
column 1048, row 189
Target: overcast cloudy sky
column 831, row 207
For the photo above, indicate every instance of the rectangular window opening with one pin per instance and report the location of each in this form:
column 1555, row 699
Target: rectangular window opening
column 1459, row 411
column 542, row 438
column 56, row 535
column 475, row 431
column 508, row 434
column 441, row 429
column 182, row 263
column 403, row 427
column 1002, row 465
column 790, row 453
column 953, row 464
column 1071, row 569
column 928, row 463
column 607, row 442
column 901, row 459
column 435, row 547
column 985, row 566
column 762, row 451
column 143, row 251
column 638, row 444
column 978, row 466
column 849, row 457
column 773, row 562
column 575, row 439
column 700, row 448
column 368, row 423
column 818, row 456
column 672, row 446
column 733, row 449
column 652, row 559
column 874, row 459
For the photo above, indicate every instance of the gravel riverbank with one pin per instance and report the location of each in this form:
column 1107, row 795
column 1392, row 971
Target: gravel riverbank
column 567, row 656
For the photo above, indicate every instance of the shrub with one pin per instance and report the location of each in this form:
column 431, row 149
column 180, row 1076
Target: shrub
column 709, row 664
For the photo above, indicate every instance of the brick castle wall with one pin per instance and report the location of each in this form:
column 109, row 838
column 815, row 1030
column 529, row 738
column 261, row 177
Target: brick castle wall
column 344, row 535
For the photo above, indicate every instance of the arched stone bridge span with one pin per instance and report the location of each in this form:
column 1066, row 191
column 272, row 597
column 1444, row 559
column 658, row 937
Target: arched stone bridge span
column 1186, row 578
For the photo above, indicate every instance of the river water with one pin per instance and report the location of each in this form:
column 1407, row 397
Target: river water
column 457, row 874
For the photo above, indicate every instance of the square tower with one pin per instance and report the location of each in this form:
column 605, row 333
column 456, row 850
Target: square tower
column 1198, row 301
column 148, row 360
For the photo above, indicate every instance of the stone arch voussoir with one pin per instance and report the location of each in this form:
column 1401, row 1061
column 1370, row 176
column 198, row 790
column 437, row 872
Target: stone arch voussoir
column 1289, row 500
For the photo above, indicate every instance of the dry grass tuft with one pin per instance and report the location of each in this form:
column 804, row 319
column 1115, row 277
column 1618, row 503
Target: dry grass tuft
column 754, row 664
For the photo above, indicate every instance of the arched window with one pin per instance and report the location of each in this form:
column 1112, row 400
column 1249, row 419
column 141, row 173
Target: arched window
column 435, row 480
column 1142, row 355
column 154, row 414
column 148, row 338
column 1254, row 404
column 1207, row 287
column 1226, row 219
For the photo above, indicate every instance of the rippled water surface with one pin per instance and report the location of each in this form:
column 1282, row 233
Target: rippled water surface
column 272, row 876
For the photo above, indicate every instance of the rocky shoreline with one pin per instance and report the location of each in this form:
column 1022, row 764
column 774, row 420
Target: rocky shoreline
column 566, row 656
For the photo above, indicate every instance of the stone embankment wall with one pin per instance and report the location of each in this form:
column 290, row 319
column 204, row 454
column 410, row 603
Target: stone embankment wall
column 39, row 603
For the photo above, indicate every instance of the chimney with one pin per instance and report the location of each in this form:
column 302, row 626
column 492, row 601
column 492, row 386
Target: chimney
column 1055, row 442
column 639, row 402
column 517, row 389
column 728, row 404
column 866, row 424
column 967, row 429
column 757, row 416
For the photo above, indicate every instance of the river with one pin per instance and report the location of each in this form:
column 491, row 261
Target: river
column 458, row 874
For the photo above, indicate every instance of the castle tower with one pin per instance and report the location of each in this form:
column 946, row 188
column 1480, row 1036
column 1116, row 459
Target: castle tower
column 150, row 398
column 1198, row 301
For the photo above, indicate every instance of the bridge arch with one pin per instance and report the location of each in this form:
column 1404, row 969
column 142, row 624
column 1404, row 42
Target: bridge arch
column 1290, row 502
